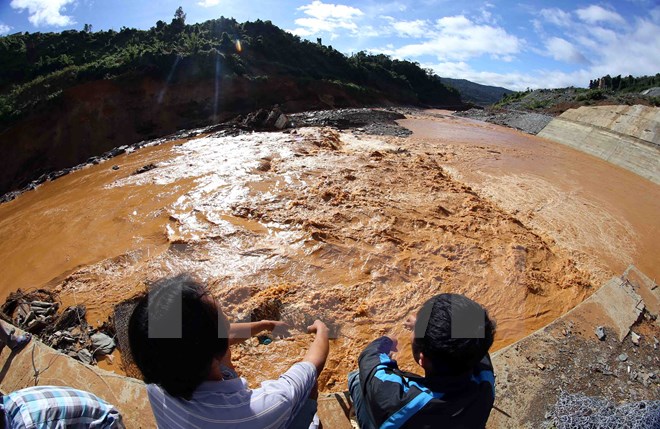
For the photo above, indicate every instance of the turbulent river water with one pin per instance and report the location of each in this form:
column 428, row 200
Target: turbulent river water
column 354, row 229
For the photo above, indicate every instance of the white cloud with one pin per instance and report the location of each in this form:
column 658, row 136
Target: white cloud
column 635, row 52
column 416, row 29
column 45, row 12
column 602, row 36
column 486, row 16
column 384, row 8
column 655, row 14
column 595, row 14
column 634, row 48
column 4, row 29
column 209, row 3
column 631, row 50
column 327, row 17
column 461, row 70
column 517, row 81
column 320, row 10
column 563, row 50
column 556, row 16
column 457, row 38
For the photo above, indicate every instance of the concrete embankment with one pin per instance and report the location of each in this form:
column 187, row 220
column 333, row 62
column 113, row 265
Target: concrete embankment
column 40, row 365
column 597, row 363
column 627, row 136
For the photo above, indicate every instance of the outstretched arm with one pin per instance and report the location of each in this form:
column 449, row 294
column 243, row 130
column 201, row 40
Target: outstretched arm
column 318, row 351
column 299, row 382
column 239, row 332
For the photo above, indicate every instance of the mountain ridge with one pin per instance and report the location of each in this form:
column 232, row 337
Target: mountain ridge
column 479, row 94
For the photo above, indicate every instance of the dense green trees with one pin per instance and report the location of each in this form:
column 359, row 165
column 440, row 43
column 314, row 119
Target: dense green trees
column 38, row 66
column 625, row 84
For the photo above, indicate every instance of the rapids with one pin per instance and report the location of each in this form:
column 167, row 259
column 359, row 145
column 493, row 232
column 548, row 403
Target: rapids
column 356, row 230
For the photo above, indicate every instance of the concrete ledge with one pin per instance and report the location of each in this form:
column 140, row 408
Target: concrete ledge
column 334, row 410
column 641, row 122
column 627, row 136
column 566, row 356
column 38, row 364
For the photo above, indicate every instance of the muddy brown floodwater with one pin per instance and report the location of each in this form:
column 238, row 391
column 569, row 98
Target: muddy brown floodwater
column 356, row 230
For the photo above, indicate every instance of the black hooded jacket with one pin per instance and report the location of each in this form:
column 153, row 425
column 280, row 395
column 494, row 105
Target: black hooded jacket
column 398, row 399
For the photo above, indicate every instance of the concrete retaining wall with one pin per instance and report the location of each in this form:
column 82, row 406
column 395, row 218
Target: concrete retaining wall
column 532, row 373
column 38, row 364
column 627, row 136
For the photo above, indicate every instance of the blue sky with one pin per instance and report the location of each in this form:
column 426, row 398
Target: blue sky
column 515, row 44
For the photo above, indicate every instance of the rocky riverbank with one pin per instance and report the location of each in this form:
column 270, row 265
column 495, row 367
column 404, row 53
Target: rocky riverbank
column 67, row 331
column 596, row 366
column 527, row 122
column 363, row 120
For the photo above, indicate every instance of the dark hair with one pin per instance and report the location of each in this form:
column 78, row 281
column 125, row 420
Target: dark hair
column 175, row 332
column 454, row 332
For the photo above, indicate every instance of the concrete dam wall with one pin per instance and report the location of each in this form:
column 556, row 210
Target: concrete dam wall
column 627, row 136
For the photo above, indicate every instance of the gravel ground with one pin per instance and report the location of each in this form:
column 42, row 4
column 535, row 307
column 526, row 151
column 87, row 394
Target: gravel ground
column 530, row 123
column 368, row 121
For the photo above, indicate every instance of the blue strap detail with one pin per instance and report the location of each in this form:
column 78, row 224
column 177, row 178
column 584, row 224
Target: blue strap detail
column 404, row 414
column 399, row 418
column 385, row 358
column 436, row 395
column 486, row 375
column 405, row 383
column 383, row 375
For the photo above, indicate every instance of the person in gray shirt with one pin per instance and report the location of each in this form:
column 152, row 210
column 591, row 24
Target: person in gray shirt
column 180, row 339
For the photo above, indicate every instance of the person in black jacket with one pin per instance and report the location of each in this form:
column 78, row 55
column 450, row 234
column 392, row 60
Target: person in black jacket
column 451, row 338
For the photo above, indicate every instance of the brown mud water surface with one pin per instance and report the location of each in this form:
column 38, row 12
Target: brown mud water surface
column 355, row 229
column 605, row 216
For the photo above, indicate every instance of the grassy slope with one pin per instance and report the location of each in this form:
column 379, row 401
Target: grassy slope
column 557, row 101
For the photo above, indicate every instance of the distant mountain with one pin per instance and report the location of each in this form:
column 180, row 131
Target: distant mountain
column 482, row 95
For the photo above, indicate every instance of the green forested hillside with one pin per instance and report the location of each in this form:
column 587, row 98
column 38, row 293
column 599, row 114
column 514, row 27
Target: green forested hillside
column 625, row 83
column 602, row 91
column 37, row 67
column 482, row 95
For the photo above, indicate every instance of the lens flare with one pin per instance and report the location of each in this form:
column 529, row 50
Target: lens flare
column 239, row 47
column 161, row 94
column 217, row 88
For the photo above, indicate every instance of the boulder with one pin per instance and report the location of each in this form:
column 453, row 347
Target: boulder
column 102, row 344
column 85, row 356
column 652, row 92
column 282, row 122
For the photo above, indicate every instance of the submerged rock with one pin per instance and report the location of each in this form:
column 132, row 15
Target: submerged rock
column 144, row 169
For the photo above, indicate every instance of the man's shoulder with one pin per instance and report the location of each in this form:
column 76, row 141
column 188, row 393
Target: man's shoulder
column 37, row 405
